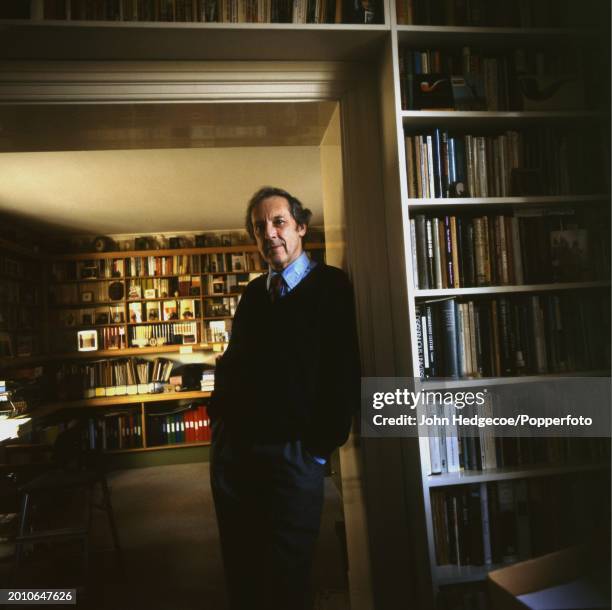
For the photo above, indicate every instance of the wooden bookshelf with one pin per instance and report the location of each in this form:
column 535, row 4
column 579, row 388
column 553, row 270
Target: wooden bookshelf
column 165, row 270
column 131, row 399
column 160, row 447
column 22, row 323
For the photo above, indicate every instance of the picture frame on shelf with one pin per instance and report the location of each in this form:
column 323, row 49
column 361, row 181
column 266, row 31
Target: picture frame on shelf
column 87, row 340
column 87, row 296
column 134, row 292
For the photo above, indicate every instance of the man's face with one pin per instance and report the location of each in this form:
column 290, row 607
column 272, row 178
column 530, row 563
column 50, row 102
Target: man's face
column 279, row 237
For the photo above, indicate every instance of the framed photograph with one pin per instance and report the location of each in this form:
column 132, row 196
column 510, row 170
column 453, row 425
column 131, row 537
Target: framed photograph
column 150, row 293
column 135, row 291
column 117, row 314
column 170, row 310
column 153, row 311
column 135, row 312
column 187, row 309
column 87, row 296
column 87, row 340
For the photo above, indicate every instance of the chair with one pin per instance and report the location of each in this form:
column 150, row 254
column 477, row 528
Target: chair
column 71, row 470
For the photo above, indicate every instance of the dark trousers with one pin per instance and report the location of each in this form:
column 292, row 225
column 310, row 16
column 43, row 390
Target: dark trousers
column 268, row 499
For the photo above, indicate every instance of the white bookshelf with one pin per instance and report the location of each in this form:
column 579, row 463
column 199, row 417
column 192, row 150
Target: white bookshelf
column 450, row 292
column 420, row 121
column 516, row 202
column 505, row 474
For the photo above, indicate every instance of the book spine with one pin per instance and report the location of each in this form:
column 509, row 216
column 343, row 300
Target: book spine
column 430, row 254
column 449, row 328
column 421, row 234
column 486, row 528
column 437, row 256
column 455, row 252
column 436, row 144
column 413, row 249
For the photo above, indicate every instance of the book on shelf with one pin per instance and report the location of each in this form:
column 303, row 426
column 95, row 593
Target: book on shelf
column 512, row 335
column 116, row 430
column 505, row 521
column 526, row 246
column 167, row 333
column 112, row 377
column 454, row 449
column 189, row 424
column 170, row 310
column 481, row 13
column 205, row 11
column 521, row 79
column 538, row 161
column 153, row 311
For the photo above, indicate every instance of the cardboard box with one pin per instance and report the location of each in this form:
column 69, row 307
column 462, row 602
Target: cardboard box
column 565, row 566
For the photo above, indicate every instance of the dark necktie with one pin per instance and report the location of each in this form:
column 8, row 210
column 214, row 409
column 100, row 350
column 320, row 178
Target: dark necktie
column 276, row 287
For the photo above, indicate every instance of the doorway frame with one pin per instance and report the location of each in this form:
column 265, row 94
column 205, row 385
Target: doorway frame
column 368, row 197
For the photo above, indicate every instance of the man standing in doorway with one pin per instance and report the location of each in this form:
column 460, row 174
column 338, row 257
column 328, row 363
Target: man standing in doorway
column 285, row 392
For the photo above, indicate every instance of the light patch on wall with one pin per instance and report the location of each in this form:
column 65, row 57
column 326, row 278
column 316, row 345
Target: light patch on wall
column 148, row 191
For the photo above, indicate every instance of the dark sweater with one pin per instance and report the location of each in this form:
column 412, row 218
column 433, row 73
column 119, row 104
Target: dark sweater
column 291, row 370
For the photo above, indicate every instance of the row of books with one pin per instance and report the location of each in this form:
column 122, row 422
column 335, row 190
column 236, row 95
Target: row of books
column 220, row 307
column 509, row 13
column 186, row 426
column 469, row 79
column 111, row 377
column 65, row 271
column 169, row 309
column 224, row 263
column 84, row 292
column 512, row 335
column 92, row 316
column 150, row 288
column 529, row 247
column 534, row 162
column 164, row 334
column 180, row 264
column 452, row 450
column 510, row 520
column 115, row 431
column 226, row 284
column 466, row 59
column 225, row 11
column 218, row 331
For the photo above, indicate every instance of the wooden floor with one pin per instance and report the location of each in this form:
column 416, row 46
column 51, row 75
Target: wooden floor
column 172, row 558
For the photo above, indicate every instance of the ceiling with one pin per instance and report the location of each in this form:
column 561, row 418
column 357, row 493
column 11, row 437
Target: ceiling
column 156, row 168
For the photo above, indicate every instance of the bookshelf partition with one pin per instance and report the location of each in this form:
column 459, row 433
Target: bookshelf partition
column 504, row 202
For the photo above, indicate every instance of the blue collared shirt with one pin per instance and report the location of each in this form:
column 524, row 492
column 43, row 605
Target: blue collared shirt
column 293, row 274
